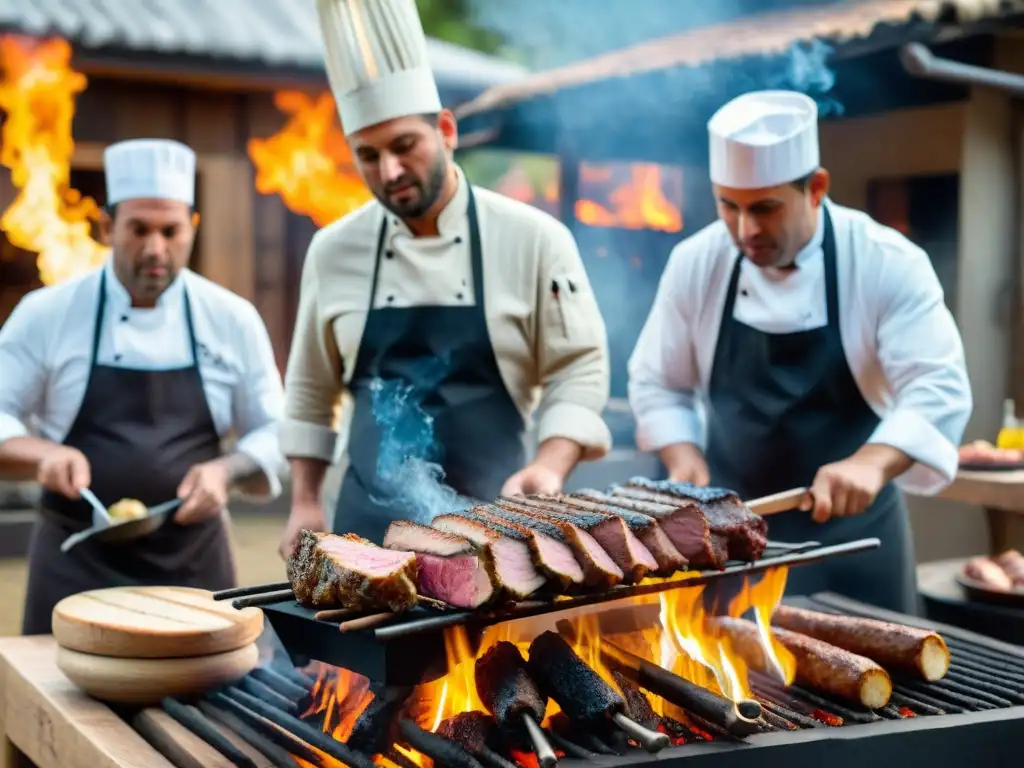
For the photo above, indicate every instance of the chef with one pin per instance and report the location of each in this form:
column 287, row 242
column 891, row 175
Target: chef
column 478, row 304
column 796, row 343
column 125, row 381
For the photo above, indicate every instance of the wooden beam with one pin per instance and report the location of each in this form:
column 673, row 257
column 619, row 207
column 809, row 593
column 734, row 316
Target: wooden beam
column 226, row 239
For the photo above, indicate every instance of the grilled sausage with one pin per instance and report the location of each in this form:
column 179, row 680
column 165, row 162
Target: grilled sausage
column 987, row 573
column 896, row 647
column 819, row 666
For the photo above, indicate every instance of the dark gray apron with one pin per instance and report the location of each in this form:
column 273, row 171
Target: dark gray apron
column 444, row 353
column 141, row 431
column 783, row 405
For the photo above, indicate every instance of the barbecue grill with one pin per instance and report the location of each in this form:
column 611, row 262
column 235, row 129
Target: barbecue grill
column 975, row 714
column 409, row 648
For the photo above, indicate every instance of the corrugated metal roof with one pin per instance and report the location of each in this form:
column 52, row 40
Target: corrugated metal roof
column 274, row 33
column 760, row 34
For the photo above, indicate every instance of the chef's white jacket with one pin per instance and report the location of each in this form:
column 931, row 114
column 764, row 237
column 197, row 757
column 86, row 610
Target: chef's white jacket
column 550, row 345
column 901, row 342
column 46, row 343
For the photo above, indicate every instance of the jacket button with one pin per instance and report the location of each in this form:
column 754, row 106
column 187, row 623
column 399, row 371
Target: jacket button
column 389, row 254
column 390, row 299
column 459, row 295
column 458, row 240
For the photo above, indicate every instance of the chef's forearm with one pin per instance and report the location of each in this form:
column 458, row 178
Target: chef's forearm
column 891, row 461
column 20, row 456
column 307, row 480
column 559, row 454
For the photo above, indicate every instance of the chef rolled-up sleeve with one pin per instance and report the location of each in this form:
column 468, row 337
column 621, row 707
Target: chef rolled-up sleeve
column 922, row 356
column 259, row 406
column 663, row 376
column 572, row 350
column 313, row 378
column 23, row 339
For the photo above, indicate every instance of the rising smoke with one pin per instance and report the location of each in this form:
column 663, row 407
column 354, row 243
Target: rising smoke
column 408, row 471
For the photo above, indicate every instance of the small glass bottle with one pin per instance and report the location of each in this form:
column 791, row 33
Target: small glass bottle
column 1012, row 434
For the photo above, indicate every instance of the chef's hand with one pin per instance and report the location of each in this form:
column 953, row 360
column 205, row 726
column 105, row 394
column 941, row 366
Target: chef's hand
column 850, row 486
column 308, row 517
column 205, row 491
column 685, row 464
column 64, row 470
column 533, row 478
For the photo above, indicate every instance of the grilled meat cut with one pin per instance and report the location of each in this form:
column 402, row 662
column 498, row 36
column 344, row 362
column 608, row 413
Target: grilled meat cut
column 896, row 647
column 551, row 557
column 819, row 666
column 329, row 571
column 727, row 515
column 563, row 676
column 599, row 569
column 685, row 523
column 610, row 532
column 450, row 568
column 510, row 557
column 506, row 688
column 638, row 706
column 643, row 523
column 985, row 571
column 1012, row 563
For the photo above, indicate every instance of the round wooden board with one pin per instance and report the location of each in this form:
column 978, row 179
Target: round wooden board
column 153, row 623
column 147, row 681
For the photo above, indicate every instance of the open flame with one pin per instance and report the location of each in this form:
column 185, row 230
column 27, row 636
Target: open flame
column 682, row 639
column 630, row 196
column 308, row 162
column 48, row 217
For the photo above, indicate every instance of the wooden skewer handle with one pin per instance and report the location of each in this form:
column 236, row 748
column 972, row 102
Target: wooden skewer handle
column 782, row 501
column 365, row 622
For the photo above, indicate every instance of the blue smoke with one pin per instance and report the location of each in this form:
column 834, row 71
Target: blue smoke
column 806, row 69
column 408, row 471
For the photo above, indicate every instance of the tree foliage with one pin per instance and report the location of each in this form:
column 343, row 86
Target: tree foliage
column 451, row 20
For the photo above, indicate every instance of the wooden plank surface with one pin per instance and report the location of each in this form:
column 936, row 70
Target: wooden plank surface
column 53, row 723
column 996, row 490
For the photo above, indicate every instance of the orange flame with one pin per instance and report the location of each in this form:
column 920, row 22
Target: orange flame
column 48, row 218
column 308, row 162
column 638, row 203
column 683, row 638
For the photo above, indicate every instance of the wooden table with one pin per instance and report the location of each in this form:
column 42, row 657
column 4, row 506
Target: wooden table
column 47, row 722
column 1001, row 494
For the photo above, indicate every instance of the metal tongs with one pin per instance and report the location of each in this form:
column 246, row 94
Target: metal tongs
column 104, row 528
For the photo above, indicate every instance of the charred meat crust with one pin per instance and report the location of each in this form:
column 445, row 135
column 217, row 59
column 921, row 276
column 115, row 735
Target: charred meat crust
column 322, row 579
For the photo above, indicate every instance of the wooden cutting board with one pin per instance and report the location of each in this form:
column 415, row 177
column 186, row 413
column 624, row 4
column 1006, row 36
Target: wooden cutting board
column 147, row 681
column 152, row 623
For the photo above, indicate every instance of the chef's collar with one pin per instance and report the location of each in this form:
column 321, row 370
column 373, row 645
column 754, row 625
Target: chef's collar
column 813, row 246
column 120, row 299
column 452, row 219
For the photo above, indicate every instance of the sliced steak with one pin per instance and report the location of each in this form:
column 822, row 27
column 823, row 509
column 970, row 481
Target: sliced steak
column 685, row 523
column 510, row 557
column 599, row 570
column 645, row 526
column 329, row 571
column 451, row 568
column 610, row 532
column 551, row 557
column 727, row 514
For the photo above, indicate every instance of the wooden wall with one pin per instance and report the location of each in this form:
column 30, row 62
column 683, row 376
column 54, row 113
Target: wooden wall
column 247, row 242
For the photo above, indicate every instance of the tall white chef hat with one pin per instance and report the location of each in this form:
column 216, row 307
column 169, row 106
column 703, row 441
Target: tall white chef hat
column 763, row 139
column 150, row 168
column 376, row 56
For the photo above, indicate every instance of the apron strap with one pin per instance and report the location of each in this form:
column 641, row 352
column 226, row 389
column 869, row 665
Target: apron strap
column 381, row 238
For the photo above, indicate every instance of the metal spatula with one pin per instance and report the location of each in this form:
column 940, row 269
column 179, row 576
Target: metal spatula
column 105, row 529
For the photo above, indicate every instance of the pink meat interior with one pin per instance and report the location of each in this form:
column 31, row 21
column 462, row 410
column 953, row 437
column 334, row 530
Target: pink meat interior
column 368, row 558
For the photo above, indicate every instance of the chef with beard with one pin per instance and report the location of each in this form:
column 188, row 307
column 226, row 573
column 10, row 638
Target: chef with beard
column 125, row 381
column 477, row 303
column 797, row 343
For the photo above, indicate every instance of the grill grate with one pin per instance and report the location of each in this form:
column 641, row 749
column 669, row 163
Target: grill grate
column 974, row 714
